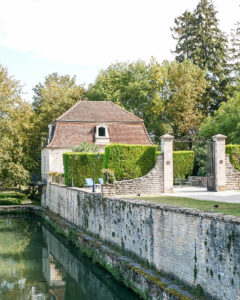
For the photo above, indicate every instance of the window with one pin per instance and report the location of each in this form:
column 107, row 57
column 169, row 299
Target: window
column 101, row 131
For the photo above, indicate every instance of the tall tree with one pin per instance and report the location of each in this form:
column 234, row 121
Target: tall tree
column 200, row 40
column 15, row 117
column 51, row 99
column 167, row 96
column 235, row 49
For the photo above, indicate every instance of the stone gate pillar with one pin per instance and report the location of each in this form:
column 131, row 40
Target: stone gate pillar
column 219, row 162
column 167, row 152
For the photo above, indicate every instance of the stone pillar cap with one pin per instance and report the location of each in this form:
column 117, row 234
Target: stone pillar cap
column 219, row 136
column 167, row 136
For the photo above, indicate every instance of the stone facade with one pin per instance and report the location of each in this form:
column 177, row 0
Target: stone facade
column 150, row 183
column 193, row 246
column 232, row 176
column 52, row 161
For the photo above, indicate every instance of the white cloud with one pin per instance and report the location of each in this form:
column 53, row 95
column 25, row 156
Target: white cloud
column 91, row 32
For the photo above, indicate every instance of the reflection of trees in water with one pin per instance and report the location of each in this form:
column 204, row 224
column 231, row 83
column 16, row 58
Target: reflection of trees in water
column 20, row 232
column 19, row 268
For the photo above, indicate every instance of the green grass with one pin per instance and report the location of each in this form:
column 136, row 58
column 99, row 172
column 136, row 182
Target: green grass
column 225, row 208
column 12, row 198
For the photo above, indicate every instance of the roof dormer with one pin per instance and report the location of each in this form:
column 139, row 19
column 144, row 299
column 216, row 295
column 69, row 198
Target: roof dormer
column 102, row 135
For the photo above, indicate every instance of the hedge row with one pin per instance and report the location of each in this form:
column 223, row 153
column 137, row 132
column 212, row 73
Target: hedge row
column 78, row 166
column 183, row 162
column 234, row 155
column 129, row 161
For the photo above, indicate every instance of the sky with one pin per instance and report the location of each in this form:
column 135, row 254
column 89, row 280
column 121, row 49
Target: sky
column 80, row 37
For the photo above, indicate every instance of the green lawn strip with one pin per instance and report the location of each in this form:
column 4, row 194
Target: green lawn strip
column 12, row 198
column 223, row 207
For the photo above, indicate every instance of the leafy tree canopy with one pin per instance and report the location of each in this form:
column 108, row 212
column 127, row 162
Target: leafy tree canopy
column 15, row 122
column 226, row 120
column 200, row 40
column 167, row 96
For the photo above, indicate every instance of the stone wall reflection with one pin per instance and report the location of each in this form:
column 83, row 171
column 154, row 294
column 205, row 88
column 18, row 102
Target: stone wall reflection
column 93, row 283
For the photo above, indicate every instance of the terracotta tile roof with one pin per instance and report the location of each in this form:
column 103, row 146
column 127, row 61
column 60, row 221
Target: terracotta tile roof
column 98, row 111
column 68, row 134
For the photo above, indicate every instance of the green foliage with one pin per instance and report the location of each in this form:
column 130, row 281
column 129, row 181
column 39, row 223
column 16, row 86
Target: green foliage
column 226, row 120
column 14, row 124
column 129, row 161
column 109, row 175
column 80, row 166
column 166, row 96
column 12, row 198
column 86, row 148
column 234, row 50
column 182, row 163
column 234, row 155
column 200, row 39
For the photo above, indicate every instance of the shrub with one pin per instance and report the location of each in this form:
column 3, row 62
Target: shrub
column 182, row 163
column 85, row 147
column 80, row 166
column 129, row 161
column 234, row 155
column 109, row 176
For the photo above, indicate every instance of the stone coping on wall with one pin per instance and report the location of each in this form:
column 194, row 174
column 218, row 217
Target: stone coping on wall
column 142, row 280
column 181, row 210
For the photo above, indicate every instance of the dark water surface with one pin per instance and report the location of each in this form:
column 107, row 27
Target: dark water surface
column 34, row 264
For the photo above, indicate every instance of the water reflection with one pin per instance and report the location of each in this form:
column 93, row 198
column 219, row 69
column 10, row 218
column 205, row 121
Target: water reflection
column 34, row 264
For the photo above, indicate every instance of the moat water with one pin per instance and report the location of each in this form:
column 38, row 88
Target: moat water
column 35, row 264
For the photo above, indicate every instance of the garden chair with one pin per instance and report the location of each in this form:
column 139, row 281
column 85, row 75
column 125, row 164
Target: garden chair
column 101, row 180
column 89, row 182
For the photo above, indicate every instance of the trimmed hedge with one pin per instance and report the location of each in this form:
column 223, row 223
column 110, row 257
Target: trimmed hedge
column 129, row 161
column 234, row 155
column 182, row 163
column 80, row 166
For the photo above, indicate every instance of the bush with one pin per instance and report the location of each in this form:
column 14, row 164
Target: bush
column 234, row 155
column 85, row 147
column 182, row 163
column 129, row 161
column 80, row 166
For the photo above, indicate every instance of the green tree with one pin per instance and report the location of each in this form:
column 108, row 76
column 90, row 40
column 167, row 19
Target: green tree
column 226, row 120
column 200, row 40
column 180, row 109
column 127, row 84
column 51, row 99
column 167, row 96
column 15, row 122
column 235, row 49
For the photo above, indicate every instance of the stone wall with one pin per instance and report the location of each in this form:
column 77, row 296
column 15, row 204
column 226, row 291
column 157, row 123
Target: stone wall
column 150, row 183
column 193, row 246
column 232, row 176
column 198, row 180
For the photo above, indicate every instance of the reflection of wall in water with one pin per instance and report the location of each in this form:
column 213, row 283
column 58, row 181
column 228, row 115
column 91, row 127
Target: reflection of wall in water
column 53, row 275
column 91, row 283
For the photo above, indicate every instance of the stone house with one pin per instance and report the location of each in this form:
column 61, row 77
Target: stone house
column 96, row 122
